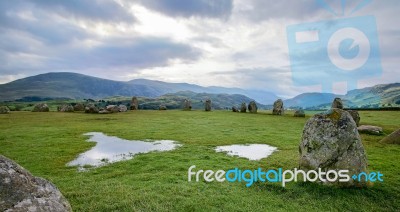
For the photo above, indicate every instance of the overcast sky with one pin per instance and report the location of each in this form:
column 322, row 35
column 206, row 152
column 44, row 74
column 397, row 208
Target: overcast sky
column 231, row 43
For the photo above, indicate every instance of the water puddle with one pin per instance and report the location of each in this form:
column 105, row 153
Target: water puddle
column 249, row 151
column 110, row 149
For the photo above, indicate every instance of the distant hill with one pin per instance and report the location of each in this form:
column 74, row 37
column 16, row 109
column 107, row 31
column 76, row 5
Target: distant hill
column 79, row 86
column 385, row 95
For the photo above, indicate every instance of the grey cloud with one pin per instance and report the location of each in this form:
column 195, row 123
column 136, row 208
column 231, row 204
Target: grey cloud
column 189, row 8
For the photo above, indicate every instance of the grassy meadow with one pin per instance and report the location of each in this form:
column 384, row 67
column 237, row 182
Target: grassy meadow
column 44, row 142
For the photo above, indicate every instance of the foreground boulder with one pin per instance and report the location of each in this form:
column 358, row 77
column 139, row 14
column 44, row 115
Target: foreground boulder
column 252, row 107
column 134, row 103
column 278, row 107
column 66, row 108
column 243, row 107
column 370, row 129
column 91, row 108
column 299, row 113
column 393, row 138
column 207, row 106
column 337, row 103
column 4, row 110
column 187, row 105
column 355, row 115
column 122, row 108
column 20, row 191
column 41, row 107
column 331, row 141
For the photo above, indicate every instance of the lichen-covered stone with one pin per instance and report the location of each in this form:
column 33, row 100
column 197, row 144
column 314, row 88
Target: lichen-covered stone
column 252, row 107
column 41, row 107
column 337, row 103
column 243, row 107
column 207, row 105
column 278, row 108
column 299, row 113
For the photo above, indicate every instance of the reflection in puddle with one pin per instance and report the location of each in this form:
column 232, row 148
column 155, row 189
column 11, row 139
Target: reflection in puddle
column 110, row 149
column 250, row 151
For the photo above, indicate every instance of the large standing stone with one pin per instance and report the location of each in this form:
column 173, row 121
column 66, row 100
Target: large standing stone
column 299, row 113
column 4, row 110
column 278, row 107
column 79, row 107
column 134, row 103
column 91, row 108
column 187, row 105
column 66, row 108
column 252, row 107
column 370, row 129
column 331, row 141
column 356, row 116
column 122, row 108
column 20, row 191
column 337, row 103
column 243, row 107
column 41, row 107
column 207, row 105
column 393, row 138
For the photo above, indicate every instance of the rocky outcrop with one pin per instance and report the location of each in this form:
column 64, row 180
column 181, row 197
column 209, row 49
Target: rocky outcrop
column 243, row 107
column 337, row 103
column 20, row 191
column 370, row 129
column 252, row 107
column 4, row 110
column 134, row 103
column 278, row 108
column 393, row 138
column 207, row 106
column 41, row 107
column 299, row 113
column 331, row 141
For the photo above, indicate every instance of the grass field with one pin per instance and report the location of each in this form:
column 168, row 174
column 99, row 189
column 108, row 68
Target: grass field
column 44, row 142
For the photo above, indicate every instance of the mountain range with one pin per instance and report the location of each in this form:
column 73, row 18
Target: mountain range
column 79, row 86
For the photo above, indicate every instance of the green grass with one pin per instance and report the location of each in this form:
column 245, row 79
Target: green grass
column 44, row 142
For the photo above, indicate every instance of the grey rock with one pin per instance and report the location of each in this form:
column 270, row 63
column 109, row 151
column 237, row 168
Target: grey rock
column 207, row 105
column 79, row 107
column 234, row 109
column 4, row 110
column 41, row 107
column 187, row 105
column 252, row 107
column 66, row 108
column 243, row 107
column 134, row 103
column 112, row 108
column 299, row 113
column 370, row 129
column 356, row 116
column 393, row 138
column 91, row 108
column 337, row 103
column 331, row 141
column 21, row 191
column 122, row 108
column 278, row 108
column 104, row 111
column 162, row 107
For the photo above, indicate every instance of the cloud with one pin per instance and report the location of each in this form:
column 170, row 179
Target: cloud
column 190, row 8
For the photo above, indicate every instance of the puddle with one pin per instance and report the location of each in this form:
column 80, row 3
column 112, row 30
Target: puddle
column 249, row 151
column 110, row 149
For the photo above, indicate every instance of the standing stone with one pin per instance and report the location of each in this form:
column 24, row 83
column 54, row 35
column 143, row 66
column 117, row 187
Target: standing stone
column 122, row 108
column 41, row 107
column 79, row 107
column 252, row 107
column 21, row 191
column 134, row 103
column 187, row 105
column 337, row 103
column 299, row 113
column 393, row 138
column 66, row 108
column 4, row 110
column 112, row 108
column 162, row 107
column 243, row 107
column 234, row 109
column 207, row 105
column 355, row 115
column 331, row 141
column 91, row 108
column 278, row 108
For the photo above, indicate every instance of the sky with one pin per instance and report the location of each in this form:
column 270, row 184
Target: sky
column 230, row 43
